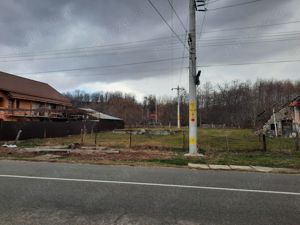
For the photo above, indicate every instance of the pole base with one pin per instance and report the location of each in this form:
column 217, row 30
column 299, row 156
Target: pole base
column 195, row 155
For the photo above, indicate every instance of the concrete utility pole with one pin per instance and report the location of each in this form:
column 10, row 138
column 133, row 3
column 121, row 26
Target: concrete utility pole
column 156, row 111
column 193, row 150
column 194, row 5
column 178, row 105
column 275, row 124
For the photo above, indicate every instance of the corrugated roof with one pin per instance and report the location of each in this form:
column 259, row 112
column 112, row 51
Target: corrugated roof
column 295, row 102
column 21, row 87
column 99, row 115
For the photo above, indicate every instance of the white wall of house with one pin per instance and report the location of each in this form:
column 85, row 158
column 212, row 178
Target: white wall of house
column 297, row 115
column 297, row 118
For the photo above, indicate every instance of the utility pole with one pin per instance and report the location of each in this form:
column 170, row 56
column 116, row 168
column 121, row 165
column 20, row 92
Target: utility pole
column 275, row 124
column 156, row 111
column 178, row 105
column 193, row 149
column 193, row 76
column 147, row 107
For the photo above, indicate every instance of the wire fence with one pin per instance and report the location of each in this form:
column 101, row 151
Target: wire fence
column 209, row 140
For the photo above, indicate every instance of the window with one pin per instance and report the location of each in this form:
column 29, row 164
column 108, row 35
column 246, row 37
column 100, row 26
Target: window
column 1, row 102
column 10, row 104
column 18, row 104
column 53, row 106
column 272, row 126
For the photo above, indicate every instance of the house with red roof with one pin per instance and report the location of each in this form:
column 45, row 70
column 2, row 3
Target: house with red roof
column 23, row 99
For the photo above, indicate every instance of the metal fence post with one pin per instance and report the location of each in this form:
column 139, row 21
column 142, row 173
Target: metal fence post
column 130, row 133
column 45, row 133
column 227, row 144
column 264, row 143
column 95, row 138
column 297, row 141
column 92, row 132
column 183, row 140
column 18, row 136
column 81, row 136
column 84, row 132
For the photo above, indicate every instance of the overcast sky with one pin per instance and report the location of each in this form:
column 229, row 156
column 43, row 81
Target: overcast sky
column 123, row 45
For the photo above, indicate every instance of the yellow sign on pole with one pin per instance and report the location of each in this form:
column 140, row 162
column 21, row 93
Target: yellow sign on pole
column 192, row 141
column 192, row 111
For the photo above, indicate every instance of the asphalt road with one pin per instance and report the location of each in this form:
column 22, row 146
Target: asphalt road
column 53, row 193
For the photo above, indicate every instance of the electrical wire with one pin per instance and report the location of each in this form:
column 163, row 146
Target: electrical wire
column 202, row 66
column 202, row 43
column 183, row 57
column 164, row 47
column 102, row 67
column 124, row 45
column 210, row 2
column 62, row 51
column 253, row 27
column 238, row 42
column 202, row 28
column 235, row 5
column 178, row 17
column 203, row 23
column 165, row 21
column 121, row 72
column 249, row 63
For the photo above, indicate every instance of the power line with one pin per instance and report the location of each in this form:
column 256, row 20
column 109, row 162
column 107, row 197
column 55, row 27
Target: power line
column 210, row 2
column 238, row 42
column 202, row 66
column 178, row 17
column 252, row 27
column 203, row 23
column 202, row 26
column 165, row 21
column 85, row 54
column 29, row 54
column 266, row 37
column 183, row 51
column 102, row 67
column 121, row 72
column 262, row 35
column 235, row 5
column 204, row 43
column 62, row 51
column 250, row 63
column 116, row 49
column 228, row 40
column 182, row 61
column 161, row 60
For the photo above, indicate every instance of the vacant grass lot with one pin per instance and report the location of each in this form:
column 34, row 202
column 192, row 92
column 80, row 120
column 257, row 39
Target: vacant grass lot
column 220, row 146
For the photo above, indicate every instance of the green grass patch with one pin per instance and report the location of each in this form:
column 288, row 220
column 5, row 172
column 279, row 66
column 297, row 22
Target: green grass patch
column 256, row 159
column 231, row 140
column 220, row 146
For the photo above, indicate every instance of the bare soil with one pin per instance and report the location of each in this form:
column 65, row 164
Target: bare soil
column 122, row 155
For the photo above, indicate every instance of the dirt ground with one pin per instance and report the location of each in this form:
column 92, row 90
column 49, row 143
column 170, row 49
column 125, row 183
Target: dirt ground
column 94, row 155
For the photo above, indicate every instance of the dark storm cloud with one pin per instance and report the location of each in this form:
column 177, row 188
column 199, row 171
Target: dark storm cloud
column 32, row 26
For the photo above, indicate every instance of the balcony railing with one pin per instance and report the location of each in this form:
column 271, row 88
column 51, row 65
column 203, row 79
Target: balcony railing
column 41, row 112
column 70, row 113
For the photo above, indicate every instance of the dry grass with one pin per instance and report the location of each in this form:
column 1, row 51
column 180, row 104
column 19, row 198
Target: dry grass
column 221, row 146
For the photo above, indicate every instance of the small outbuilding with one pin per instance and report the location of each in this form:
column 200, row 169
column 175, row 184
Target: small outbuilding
column 285, row 122
column 106, row 122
